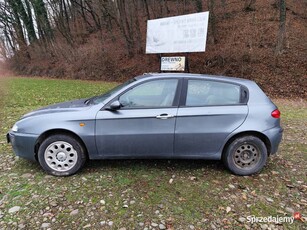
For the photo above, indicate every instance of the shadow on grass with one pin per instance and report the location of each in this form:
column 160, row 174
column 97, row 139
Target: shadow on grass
column 175, row 166
column 153, row 165
column 141, row 166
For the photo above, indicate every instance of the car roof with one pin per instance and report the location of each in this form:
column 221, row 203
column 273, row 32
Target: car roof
column 190, row 75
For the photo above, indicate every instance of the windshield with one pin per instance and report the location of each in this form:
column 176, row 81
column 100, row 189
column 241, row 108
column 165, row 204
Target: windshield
column 101, row 98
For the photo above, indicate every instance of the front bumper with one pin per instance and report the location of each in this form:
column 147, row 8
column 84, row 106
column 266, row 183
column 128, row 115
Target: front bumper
column 275, row 137
column 23, row 144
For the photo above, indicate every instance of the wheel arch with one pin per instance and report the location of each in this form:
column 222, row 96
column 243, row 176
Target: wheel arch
column 261, row 136
column 52, row 132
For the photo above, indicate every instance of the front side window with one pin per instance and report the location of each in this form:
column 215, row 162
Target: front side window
column 101, row 98
column 205, row 93
column 157, row 93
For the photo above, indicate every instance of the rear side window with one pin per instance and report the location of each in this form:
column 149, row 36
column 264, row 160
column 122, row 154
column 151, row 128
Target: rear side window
column 206, row 93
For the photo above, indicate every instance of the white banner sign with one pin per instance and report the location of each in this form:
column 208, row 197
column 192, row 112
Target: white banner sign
column 180, row 34
column 172, row 63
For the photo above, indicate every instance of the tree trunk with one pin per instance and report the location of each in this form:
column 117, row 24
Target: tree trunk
column 28, row 20
column 212, row 20
column 20, row 36
column 42, row 20
column 147, row 9
column 125, row 27
column 199, row 5
column 137, row 28
column 282, row 28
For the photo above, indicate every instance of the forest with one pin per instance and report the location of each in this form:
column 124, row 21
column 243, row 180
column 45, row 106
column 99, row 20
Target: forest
column 263, row 40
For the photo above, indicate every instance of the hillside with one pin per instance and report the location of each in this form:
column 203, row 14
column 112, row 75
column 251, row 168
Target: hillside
column 241, row 42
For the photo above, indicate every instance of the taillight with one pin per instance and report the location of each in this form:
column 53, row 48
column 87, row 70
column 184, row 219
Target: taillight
column 276, row 113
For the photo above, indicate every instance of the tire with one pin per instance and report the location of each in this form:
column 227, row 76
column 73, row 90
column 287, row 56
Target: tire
column 61, row 155
column 245, row 155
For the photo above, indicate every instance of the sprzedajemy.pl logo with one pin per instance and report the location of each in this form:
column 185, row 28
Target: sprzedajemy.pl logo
column 275, row 219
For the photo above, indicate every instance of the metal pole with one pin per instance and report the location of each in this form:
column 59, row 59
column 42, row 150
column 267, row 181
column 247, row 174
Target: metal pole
column 187, row 63
column 160, row 62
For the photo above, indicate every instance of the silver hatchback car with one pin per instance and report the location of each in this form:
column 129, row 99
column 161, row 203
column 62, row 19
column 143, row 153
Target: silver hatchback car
column 182, row 116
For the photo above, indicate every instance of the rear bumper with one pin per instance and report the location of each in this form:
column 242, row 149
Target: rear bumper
column 275, row 137
column 23, row 144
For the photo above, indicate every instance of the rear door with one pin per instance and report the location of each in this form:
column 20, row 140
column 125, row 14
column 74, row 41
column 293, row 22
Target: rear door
column 209, row 112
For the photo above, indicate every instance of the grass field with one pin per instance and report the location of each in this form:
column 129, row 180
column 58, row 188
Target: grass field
column 137, row 194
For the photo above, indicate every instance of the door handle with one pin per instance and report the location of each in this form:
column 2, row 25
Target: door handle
column 164, row 116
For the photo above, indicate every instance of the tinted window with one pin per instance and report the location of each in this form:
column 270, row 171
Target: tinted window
column 158, row 93
column 203, row 93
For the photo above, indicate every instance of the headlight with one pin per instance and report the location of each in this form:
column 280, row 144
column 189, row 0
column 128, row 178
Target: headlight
column 15, row 128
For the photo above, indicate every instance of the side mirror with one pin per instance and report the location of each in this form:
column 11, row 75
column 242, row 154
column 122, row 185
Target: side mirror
column 115, row 105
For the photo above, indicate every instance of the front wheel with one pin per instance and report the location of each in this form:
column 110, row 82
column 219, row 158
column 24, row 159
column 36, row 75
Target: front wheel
column 246, row 155
column 61, row 155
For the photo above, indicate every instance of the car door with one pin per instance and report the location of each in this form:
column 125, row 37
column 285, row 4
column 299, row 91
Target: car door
column 209, row 112
column 144, row 125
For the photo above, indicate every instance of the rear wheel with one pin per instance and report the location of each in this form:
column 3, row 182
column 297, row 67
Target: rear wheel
column 245, row 155
column 61, row 155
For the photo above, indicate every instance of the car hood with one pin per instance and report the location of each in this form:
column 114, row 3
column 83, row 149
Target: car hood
column 69, row 106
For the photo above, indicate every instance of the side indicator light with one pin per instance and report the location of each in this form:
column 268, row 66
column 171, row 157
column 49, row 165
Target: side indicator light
column 82, row 124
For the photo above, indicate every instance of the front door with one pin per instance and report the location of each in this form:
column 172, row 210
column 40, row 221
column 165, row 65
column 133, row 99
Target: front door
column 144, row 125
